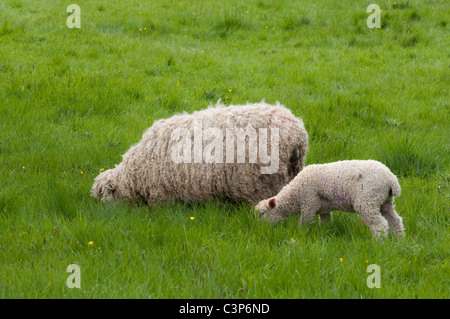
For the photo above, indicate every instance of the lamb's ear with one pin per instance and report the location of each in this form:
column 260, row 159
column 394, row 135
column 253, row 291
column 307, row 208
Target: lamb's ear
column 272, row 202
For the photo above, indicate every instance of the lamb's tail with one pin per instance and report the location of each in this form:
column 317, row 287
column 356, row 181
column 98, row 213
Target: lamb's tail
column 395, row 189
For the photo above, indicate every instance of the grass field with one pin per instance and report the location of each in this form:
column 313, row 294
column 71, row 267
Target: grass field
column 72, row 101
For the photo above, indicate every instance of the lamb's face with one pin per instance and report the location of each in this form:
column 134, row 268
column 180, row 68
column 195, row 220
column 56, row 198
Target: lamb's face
column 269, row 210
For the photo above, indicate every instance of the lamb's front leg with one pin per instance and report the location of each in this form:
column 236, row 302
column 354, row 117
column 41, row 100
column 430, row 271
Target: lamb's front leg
column 308, row 212
column 325, row 218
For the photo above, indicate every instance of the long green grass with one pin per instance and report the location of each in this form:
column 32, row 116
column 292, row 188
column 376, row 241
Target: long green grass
column 72, row 101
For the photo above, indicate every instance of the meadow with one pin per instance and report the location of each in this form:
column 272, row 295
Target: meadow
column 73, row 100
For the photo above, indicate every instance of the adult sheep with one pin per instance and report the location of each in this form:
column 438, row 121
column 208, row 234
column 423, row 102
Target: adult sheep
column 241, row 152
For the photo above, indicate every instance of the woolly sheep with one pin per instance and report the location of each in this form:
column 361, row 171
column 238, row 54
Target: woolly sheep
column 365, row 187
column 203, row 155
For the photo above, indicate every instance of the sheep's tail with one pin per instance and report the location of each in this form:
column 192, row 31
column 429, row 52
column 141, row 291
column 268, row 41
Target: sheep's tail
column 395, row 189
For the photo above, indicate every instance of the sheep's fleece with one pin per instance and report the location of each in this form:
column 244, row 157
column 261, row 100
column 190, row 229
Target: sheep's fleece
column 148, row 172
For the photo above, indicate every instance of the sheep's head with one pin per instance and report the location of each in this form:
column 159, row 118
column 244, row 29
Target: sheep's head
column 268, row 209
column 104, row 188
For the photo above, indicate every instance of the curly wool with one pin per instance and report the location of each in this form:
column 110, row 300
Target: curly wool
column 365, row 187
column 148, row 172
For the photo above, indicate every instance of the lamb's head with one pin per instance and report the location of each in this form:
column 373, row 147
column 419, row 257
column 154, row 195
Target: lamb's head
column 268, row 209
column 105, row 188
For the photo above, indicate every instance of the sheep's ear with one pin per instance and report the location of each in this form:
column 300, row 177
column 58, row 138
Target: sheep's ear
column 272, row 203
column 109, row 186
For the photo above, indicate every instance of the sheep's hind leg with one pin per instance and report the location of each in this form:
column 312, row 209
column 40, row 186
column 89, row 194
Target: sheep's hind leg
column 394, row 220
column 378, row 225
column 325, row 218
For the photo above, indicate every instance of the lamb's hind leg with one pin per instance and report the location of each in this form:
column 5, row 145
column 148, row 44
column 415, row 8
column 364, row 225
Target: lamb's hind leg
column 394, row 220
column 324, row 218
column 378, row 225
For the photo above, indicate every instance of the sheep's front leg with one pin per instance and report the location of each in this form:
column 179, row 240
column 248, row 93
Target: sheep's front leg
column 325, row 218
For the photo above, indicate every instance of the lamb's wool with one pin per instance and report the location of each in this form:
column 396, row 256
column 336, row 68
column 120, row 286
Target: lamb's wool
column 149, row 173
column 365, row 187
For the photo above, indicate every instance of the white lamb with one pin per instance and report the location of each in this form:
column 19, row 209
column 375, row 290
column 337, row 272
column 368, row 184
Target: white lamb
column 365, row 187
